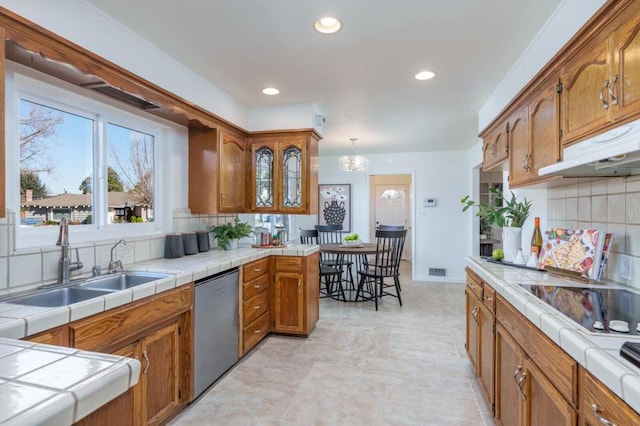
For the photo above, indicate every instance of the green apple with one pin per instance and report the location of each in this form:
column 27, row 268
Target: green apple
column 498, row 254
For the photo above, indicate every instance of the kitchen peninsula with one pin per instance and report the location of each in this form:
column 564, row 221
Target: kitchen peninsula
column 99, row 378
column 535, row 364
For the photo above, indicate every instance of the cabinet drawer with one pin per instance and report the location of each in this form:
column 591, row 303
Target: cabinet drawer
column 598, row 401
column 256, row 306
column 489, row 297
column 475, row 288
column 254, row 287
column 511, row 320
column 253, row 270
column 288, row 263
column 58, row 336
column 255, row 331
column 106, row 330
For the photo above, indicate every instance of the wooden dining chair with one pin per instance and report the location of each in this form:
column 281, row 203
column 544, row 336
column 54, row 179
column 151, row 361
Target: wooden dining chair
column 390, row 227
column 330, row 275
column 332, row 234
column 389, row 245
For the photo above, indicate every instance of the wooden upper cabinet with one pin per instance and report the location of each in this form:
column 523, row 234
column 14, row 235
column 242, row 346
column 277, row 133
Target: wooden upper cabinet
column 626, row 66
column 600, row 84
column 233, row 169
column 284, row 172
column 520, row 159
column 217, row 171
column 534, row 135
column 495, row 146
column 544, row 131
column 584, row 85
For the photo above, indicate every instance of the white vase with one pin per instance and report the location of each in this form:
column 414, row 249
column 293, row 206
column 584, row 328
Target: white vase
column 233, row 244
column 511, row 242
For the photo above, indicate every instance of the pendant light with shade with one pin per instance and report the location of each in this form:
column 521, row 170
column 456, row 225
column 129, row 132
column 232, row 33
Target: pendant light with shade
column 354, row 163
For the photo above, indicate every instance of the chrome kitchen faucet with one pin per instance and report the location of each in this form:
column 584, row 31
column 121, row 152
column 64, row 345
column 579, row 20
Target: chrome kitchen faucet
column 65, row 265
column 115, row 265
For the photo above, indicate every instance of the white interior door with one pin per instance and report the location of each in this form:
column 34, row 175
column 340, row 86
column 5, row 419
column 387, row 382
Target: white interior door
column 391, row 205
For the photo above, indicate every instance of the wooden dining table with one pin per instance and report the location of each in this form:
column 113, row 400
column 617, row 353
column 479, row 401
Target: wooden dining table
column 348, row 256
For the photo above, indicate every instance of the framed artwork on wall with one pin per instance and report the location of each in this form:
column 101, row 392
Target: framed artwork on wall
column 334, row 207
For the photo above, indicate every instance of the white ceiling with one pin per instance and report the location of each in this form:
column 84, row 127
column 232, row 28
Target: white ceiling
column 361, row 78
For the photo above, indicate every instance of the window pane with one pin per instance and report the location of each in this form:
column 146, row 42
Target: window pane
column 129, row 175
column 56, row 165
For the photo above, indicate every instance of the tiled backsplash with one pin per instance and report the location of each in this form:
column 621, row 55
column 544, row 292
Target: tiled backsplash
column 28, row 267
column 609, row 204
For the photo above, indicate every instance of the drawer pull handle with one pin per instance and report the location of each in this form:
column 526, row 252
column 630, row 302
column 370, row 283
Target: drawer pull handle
column 258, row 331
column 257, row 286
column 515, row 373
column 257, row 307
column 488, row 298
column 612, row 95
column 473, row 286
column 605, row 104
column 522, row 378
column 602, row 420
column 257, row 269
column 146, row 358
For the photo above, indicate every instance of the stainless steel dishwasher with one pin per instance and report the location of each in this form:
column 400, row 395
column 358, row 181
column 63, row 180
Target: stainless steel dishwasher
column 216, row 327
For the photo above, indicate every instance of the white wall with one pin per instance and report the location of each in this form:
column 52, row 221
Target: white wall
column 441, row 233
column 290, row 116
column 567, row 19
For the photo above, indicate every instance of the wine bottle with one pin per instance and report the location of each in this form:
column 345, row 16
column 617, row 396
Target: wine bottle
column 536, row 238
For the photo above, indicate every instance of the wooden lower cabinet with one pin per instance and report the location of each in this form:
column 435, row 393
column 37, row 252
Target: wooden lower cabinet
column 601, row 406
column 294, row 294
column 524, row 395
column 158, row 332
column 509, row 368
column 254, row 304
column 480, row 336
column 56, row 336
column 530, row 379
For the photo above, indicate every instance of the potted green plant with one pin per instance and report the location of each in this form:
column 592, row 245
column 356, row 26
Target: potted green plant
column 227, row 235
column 510, row 215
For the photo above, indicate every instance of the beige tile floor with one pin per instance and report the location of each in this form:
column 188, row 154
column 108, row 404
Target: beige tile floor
column 397, row 366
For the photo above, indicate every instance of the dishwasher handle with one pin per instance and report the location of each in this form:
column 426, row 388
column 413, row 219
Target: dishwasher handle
column 216, row 276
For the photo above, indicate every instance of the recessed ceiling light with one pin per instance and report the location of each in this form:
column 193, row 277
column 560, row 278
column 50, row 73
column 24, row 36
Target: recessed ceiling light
column 270, row 91
column 327, row 25
column 425, row 75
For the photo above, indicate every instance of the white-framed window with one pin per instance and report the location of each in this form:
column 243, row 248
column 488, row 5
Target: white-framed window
column 74, row 154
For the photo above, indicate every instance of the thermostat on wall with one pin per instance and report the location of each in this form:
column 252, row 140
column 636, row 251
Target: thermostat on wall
column 429, row 202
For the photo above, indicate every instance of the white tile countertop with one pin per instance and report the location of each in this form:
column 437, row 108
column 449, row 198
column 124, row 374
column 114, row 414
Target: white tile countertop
column 58, row 386
column 598, row 353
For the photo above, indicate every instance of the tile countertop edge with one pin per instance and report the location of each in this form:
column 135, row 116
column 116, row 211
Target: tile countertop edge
column 124, row 373
column 606, row 365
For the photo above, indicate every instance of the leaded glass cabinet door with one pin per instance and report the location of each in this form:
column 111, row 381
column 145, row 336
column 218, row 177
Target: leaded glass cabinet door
column 292, row 178
column 264, row 195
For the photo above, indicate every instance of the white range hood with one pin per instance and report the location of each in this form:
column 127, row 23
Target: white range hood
column 613, row 153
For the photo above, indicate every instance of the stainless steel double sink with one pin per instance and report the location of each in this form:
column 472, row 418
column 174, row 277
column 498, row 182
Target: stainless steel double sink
column 83, row 290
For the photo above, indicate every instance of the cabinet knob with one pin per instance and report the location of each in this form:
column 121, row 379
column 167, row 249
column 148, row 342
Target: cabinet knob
column 488, row 298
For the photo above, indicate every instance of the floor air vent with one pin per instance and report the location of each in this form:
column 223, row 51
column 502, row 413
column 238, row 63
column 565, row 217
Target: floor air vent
column 437, row 272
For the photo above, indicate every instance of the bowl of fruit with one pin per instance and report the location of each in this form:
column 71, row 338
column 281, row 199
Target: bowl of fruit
column 352, row 240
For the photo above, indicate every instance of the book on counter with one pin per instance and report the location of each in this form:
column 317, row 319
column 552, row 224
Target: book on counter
column 577, row 250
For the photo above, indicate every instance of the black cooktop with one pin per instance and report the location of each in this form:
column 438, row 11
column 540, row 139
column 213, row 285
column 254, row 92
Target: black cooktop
column 603, row 310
